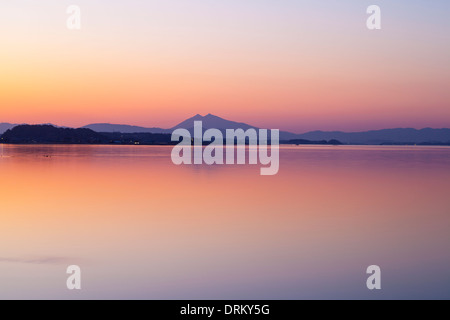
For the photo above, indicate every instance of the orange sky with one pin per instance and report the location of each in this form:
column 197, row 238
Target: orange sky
column 295, row 67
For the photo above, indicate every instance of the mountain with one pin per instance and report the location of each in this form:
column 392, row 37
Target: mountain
column 49, row 134
column 107, row 127
column 373, row 137
column 209, row 121
column 386, row 136
column 6, row 126
column 43, row 134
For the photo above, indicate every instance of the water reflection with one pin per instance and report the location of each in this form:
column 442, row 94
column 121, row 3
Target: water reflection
column 141, row 227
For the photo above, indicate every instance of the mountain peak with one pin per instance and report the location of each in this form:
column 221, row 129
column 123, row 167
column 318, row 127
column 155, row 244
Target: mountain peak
column 212, row 121
column 197, row 117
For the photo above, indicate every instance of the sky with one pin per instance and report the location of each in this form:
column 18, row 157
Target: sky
column 293, row 65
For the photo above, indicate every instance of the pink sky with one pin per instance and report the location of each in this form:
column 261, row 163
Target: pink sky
column 297, row 67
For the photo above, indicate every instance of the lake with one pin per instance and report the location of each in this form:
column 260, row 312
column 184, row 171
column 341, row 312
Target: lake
column 140, row 227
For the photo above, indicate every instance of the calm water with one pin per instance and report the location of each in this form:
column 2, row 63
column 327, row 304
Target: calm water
column 141, row 227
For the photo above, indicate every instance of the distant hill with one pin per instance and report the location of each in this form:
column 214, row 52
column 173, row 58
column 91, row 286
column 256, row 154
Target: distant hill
column 49, row 134
column 374, row 137
column 386, row 136
column 211, row 121
column 107, row 127
column 43, row 134
column 399, row 136
column 6, row 126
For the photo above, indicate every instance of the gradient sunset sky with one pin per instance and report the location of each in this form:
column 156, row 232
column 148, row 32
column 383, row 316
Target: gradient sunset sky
column 293, row 65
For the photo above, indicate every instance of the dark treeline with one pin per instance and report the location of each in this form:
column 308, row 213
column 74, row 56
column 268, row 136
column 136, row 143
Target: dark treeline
column 48, row 134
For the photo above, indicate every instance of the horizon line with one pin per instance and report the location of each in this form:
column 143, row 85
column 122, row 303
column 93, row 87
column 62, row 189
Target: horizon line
column 210, row 114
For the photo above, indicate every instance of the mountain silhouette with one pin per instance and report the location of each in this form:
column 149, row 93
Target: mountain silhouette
column 211, row 121
column 123, row 128
column 50, row 134
column 385, row 136
column 208, row 121
column 374, row 137
column 6, row 126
